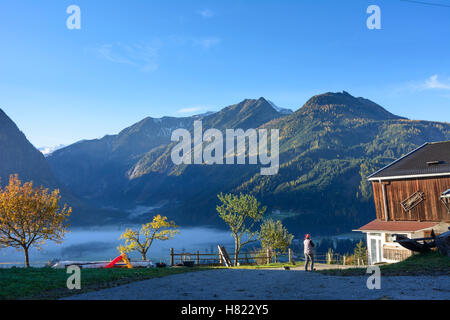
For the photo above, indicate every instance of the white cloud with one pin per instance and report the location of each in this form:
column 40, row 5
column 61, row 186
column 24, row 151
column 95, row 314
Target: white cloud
column 207, row 43
column 145, row 57
column 206, row 13
column 141, row 56
column 203, row 42
column 191, row 110
column 434, row 83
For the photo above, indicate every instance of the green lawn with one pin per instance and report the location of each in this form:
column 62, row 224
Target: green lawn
column 422, row 264
column 48, row 283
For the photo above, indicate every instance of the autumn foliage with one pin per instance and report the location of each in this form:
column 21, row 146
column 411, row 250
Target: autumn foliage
column 30, row 216
column 141, row 240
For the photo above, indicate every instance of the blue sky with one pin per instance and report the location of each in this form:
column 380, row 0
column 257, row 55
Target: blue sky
column 138, row 58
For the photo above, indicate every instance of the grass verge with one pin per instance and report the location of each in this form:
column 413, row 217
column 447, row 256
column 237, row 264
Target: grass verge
column 48, row 283
column 431, row 264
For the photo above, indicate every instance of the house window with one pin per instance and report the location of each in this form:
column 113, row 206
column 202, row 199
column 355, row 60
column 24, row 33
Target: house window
column 390, row 237
column 413, row 201
column 427, row 234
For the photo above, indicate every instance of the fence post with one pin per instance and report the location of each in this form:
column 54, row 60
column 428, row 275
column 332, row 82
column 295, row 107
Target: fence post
column 198, row 258
column 268, row 256
column 171, row 257
column 344, row 259
column 246, row 257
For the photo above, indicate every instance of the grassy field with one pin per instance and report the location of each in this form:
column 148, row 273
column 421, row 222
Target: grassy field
column 422, row 264
column 48, row 283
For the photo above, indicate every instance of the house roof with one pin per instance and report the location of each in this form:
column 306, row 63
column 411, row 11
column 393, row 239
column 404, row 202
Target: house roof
column 406, row 226
column 431, row 159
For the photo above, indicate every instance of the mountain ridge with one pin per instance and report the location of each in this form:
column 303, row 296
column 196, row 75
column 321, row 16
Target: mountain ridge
column 343, row 103
column 88, row 165
column 18, row 152
column 19, row 156
column 327, row 147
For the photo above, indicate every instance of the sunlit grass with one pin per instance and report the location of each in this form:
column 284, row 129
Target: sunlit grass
column 431, row 263
column 48, row 283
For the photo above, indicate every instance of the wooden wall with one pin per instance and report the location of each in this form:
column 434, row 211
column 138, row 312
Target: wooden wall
column 432, row 209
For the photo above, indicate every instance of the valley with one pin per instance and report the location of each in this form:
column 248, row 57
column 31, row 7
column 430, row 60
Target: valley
column 327, row 149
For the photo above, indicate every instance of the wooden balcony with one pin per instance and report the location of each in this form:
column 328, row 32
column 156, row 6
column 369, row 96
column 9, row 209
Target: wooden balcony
column 396, row 254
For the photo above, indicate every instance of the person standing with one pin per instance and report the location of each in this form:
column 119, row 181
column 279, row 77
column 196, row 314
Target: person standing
column 309, row 252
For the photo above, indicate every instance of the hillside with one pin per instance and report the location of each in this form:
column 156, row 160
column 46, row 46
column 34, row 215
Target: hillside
column 19, row 156
column 327, row 148
column 104, row 169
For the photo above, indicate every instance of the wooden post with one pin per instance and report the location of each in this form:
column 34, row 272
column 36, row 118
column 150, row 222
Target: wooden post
column 290, row 255
column 246, row 257
column 171, row 257
column 198, row 258
column 344, row 259
column 268, row 256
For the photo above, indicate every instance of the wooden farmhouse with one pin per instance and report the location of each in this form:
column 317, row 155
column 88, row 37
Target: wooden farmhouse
column 412, row 197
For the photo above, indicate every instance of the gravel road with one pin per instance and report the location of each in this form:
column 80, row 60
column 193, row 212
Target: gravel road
column 239, row 284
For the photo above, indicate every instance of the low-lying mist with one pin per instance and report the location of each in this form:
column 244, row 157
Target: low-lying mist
column 101, row 244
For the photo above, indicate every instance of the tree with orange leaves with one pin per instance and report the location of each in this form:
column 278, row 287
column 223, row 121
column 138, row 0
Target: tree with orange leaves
column 30, row 216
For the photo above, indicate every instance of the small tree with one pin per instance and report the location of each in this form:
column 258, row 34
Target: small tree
column 141, row 240
column 360, row 253
column 330, row 255
column 240, row 213
column 275, row 237
column 30, row 216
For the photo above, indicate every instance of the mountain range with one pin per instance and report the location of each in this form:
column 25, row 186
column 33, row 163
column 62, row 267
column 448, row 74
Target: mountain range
column 327, row 148
column 19, row 156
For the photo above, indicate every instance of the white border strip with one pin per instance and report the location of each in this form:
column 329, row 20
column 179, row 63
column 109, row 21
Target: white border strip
column 383, row 230
column 411, row 176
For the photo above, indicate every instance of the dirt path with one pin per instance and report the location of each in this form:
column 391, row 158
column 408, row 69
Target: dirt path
column 238, row 284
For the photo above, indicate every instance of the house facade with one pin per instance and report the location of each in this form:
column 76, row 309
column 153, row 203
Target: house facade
column 412, row 197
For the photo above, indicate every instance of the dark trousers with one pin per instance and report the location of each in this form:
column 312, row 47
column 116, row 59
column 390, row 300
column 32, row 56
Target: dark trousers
column 309, row 257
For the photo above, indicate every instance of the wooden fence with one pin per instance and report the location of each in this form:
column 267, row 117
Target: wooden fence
column 216, row 258
column 248, row 258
